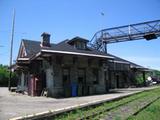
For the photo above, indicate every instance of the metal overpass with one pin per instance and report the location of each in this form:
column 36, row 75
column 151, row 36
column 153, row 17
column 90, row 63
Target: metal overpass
column 146, row 30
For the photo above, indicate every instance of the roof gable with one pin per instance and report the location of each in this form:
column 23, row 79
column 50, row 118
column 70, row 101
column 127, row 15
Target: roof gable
column 77, row 39
column 32, row 48
column 22, row 51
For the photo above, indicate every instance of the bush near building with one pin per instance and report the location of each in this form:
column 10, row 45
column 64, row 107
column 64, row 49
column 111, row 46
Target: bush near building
column 4, row 77
column 139, row 80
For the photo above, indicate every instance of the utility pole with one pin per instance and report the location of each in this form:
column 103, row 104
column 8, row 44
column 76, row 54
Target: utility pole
column 11, row 51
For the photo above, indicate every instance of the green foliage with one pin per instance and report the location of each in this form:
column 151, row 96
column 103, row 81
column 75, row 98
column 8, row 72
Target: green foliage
column 4, row 76
column 139, row 79
column 150, row 113
column 156, row 73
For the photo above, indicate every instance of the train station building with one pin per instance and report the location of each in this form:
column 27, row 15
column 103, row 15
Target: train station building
column 70, row 68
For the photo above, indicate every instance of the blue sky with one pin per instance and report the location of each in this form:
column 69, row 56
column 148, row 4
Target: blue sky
column 69, row 18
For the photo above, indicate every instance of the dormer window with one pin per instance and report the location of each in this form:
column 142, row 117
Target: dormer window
column 79, row 43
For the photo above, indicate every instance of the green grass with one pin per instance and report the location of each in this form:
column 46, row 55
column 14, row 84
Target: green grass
column 79, row 113
column 152, row 112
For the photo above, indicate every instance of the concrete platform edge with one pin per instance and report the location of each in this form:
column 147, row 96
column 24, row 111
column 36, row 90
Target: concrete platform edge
column 69, row 108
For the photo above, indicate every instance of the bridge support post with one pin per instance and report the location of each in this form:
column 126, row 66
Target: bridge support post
column 105, row 47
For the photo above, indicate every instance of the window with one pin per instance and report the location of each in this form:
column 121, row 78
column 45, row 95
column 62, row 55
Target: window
column 26, row 77
column 81, row 76
column 95, row 76
column 80, row 45
column 66, row 77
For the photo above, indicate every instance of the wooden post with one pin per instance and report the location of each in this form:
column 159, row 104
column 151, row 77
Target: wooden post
column 144, row 78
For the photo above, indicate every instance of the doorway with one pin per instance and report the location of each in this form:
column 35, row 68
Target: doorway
column 66, row 82
column 82, row 87
column 117, row 81
column 43, row 77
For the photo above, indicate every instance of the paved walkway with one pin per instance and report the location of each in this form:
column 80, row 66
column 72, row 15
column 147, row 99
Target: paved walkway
column 15, row 105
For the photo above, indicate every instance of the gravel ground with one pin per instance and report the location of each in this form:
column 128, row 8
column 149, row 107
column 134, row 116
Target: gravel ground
column 15, row 105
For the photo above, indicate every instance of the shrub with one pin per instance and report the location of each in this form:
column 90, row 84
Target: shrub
column 4, row 77
column 139, row 80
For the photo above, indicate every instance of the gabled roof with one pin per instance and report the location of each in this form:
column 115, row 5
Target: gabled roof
column 78, row 39
column 132, row 65
column 64, row 46
column 119, row 60
column 33, row 49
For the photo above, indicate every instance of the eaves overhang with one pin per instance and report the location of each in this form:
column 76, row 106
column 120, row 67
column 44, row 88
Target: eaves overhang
column 140, row 68
column 117, row 61
column 23, row 61
column 75, row 53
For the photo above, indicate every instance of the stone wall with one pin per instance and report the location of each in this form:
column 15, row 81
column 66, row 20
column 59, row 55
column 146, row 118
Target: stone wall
column 54, row 75
column 54, row 66
column 22, row 85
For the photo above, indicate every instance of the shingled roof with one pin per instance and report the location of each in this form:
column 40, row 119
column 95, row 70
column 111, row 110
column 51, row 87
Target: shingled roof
column 33, row 47
column 65, row 46
column 121, row 60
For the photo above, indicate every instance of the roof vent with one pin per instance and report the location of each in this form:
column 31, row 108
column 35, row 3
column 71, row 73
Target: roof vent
column 45, row 40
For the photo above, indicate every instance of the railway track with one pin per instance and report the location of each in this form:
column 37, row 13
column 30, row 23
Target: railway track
column 93, row 114
column 141, row 102
column 125, row 107
column 133, row 108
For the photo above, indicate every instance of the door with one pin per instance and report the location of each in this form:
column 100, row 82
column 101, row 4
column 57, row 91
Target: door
column 66, row 82
column 117, row 81
column 82, row 87
column 106, row 81
column 109, row 79
column 43, row 77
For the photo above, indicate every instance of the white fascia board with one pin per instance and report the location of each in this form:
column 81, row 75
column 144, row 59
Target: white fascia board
column 138, row 67
column 76, row 53
column 116, row 61
column 35, row 56
column 23, row 59
column 38, row 54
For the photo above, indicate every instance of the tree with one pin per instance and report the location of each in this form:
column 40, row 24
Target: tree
column 156, row 73
column 4, row 76
column 139, row 79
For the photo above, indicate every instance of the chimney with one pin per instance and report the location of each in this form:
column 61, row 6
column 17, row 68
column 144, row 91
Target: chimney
column 45, row 40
